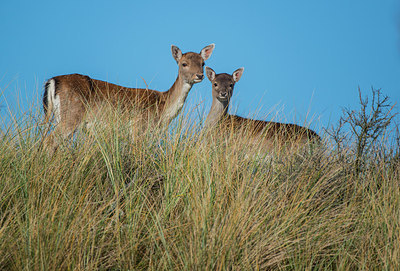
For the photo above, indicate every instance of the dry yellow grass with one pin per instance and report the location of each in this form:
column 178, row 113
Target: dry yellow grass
column 184, row 199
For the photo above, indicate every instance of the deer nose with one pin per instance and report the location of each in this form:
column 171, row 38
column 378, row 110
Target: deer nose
column 224, row 94
column 200, row 76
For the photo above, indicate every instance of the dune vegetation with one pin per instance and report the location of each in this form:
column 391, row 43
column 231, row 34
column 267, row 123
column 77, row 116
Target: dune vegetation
column 185, row 198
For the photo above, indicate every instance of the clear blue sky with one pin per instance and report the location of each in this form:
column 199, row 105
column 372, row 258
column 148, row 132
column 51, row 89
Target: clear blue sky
column 300, row 57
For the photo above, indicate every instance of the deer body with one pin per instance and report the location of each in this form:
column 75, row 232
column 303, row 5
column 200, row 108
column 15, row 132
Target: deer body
column 73, row 98
column 271, row 134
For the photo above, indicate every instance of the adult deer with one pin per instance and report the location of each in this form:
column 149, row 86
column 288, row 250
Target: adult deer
column 270, row 134
column 75, row 98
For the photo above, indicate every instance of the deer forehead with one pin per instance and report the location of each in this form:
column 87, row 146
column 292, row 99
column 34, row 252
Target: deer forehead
column 224, row 79
column 192, row 58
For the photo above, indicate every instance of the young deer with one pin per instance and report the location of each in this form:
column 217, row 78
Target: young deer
column 69, row 98
column 271, row 134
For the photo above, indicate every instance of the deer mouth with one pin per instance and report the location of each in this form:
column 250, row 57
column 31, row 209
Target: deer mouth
column 197, row 80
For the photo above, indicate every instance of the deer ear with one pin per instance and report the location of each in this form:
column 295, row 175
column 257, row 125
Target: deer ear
column 207, row 51
column 210, row 73
column 176, row 53
column 237, row 74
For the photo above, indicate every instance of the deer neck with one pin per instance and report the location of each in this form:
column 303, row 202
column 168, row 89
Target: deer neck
column 217, row 112
column 175, row 98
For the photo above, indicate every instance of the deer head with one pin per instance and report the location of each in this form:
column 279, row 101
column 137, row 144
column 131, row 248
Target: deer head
column 223, row 84
column 191, row 64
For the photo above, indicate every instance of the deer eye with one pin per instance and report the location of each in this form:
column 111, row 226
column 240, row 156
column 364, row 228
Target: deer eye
column 202, row 64
column 184, row 64
column 231, row 85
column 215, row 84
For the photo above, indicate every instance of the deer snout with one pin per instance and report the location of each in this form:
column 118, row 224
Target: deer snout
column 198, row 77
column 223, row 96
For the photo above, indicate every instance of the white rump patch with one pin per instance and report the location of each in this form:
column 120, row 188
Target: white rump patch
column 57, row 108
column 54, row 100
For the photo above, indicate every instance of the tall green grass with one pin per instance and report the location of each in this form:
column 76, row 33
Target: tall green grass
column 118, row 198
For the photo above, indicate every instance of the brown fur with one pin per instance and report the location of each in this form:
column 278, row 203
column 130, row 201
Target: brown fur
column 273, row 132
column 78, row 92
